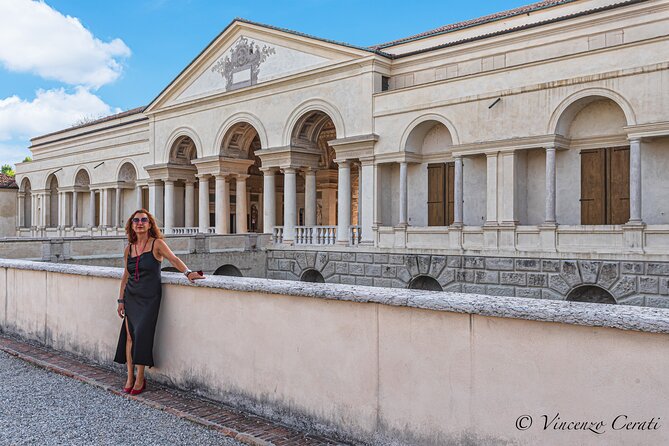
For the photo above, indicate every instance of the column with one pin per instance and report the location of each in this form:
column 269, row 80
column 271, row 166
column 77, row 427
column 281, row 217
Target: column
column 104, row 208
column 118, row 222
column 61, row 210
column 635, row 181
column 20, row 210
column 45, row 215
column 156, row 201
column 189, row 204
column 344, row 203
column 509, row 189
column 169, row 206
column 457, row 206
column 203, row 221
column 91, row 209
column 403, row 194
column 310, row 199
column 138, row 197
column 550, row 186
column 75, row 196
column 366, row 197
column 269, row 201
column 491, row 189
column 222, row 205
column 290, row 205
column 242, row 204
column 359, row 194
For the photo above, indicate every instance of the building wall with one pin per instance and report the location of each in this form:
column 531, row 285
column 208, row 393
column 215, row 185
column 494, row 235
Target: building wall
column 8, row 212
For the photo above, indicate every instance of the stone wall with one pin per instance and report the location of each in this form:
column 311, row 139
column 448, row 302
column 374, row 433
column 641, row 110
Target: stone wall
column 372, row 365
column 629, row 282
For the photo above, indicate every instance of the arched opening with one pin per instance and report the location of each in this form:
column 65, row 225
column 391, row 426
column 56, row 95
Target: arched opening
column 50, row 207
column 130, row 198
column 313, row 131
column 430, row 185
column 181, row 210
column 426, row 283
column 170, row 269
column 594, row 174
column 240, row 145
column 228, row 270
column 27, row 203
column 312, row 275
column 591, row 294
column 82, row 201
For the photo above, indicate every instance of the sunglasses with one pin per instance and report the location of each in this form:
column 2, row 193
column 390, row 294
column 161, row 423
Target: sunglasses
column 143, row 219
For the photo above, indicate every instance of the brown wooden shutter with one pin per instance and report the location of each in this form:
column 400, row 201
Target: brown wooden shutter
column 435, row 194
column 450, row 193
column 619, row 185
column 593, row 188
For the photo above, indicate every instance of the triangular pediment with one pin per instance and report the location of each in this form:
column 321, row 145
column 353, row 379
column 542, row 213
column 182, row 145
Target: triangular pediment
column 247, row 54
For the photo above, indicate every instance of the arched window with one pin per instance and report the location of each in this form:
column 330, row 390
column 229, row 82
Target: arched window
column 426, row 283
column 592, row 294
column 311, row 275
column 228, row 270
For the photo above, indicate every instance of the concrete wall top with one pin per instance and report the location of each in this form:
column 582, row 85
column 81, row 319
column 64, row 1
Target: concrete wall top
column 653, row 320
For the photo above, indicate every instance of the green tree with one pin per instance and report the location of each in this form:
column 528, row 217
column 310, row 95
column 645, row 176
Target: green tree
column 7, row 170
column 27, row 159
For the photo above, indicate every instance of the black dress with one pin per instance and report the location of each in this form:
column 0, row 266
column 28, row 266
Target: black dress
column 142, row 302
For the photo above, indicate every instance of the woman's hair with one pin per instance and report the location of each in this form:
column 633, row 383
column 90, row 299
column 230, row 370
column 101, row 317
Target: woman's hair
column 154, row 230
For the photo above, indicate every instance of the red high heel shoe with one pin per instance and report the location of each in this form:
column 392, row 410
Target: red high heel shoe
column 128, row 389
column 138, row 391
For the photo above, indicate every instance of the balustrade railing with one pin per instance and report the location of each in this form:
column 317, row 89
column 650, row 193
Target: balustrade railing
column 315, row 235
column 355, row 235
column 277, row 235
column 191, row 230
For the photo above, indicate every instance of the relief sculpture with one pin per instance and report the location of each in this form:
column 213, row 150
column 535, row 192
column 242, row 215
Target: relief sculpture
column 240, row 67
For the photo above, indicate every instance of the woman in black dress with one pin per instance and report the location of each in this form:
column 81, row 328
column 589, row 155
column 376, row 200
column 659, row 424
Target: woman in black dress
column 140, row 295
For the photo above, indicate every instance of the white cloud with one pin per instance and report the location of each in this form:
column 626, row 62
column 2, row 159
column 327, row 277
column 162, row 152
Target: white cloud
column 36, row 38
column 51, row 110
column 13, row 153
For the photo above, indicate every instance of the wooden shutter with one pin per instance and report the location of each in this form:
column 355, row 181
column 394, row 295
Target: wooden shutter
column 435, row 194
column 450, row 192
column 593, row 187
column 618, row 182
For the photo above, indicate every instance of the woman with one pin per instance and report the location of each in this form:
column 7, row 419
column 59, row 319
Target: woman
column 140, row 295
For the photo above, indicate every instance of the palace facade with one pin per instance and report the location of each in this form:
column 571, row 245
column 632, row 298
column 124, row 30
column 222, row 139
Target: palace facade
column 529, row 148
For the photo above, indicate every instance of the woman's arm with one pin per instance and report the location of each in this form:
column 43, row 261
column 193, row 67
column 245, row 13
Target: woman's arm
column 124, row 280
column 166, row 252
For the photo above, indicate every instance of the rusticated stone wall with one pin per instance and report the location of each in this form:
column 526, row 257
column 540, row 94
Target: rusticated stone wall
column 629, row 282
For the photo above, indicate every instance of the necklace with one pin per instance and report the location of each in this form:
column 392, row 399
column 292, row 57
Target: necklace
column 137, row 262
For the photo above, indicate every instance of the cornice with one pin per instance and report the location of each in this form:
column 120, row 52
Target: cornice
column 578, row 80
column 648, row 130
column 511, row 144
column 352, row 68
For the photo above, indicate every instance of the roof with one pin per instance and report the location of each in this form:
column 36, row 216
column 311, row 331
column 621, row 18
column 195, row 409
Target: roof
column 475, row 22
column 7, row 182
column 130, row 112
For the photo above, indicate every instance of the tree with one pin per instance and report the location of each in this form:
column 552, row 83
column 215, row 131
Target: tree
column 7, row 170
column 27, row 159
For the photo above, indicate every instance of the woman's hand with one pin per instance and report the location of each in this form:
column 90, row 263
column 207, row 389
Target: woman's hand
column 194, row 275
column 121, row 310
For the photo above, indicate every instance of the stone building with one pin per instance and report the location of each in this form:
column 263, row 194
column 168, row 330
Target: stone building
column 8, row 199
column 522, row 153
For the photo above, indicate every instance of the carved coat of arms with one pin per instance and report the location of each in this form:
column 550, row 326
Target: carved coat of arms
column 240, row 68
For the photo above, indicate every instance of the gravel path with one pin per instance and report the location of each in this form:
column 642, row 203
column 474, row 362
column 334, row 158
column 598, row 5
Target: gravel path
column 43, row 408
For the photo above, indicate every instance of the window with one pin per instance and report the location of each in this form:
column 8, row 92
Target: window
column 385, row 83
column 440, row 194
column 605, row 185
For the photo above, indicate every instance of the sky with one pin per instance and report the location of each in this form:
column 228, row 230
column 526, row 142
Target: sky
column 62, row 61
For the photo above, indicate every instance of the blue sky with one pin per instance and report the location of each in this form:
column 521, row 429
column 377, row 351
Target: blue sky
column 63, row 60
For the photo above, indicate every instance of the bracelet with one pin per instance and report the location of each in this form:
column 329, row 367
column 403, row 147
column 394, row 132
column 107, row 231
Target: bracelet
column 187, row 272
column 120, row 301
